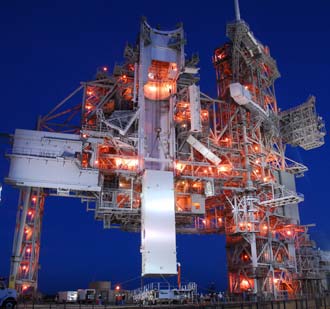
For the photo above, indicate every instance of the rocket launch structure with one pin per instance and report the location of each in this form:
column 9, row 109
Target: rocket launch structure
column 148, row 151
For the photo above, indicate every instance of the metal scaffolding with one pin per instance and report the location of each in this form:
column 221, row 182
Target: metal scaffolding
column 148, row 128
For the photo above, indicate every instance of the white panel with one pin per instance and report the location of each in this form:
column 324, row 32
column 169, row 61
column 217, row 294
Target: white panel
column 158, row 235
column 241, row 95
column 291, row 211
column 195, row 108
column 56, row 173
column 49, row 160
column 47, row 144
column 207, row 153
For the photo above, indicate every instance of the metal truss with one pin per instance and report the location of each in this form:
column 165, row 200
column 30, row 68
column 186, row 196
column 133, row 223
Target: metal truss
column 231, row 175
column 26, row 247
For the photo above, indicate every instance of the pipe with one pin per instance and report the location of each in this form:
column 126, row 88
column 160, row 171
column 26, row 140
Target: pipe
column 179, row 275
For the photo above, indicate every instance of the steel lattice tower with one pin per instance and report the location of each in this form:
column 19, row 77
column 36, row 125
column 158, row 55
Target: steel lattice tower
column 149, row 152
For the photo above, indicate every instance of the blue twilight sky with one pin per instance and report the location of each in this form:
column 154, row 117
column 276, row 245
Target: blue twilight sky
column 48, row 47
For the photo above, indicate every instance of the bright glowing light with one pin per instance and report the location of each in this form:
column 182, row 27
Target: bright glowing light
column 34, row 199
column 158, row 90
column 96, row 162
column 126, row 163
column 28, row 250
column 180, row 166
column 30, row 213
column 276, row 280
column 151, row 75
column 24, row 287
column 288, row 233
column 256, row 147
column 84, row 135
column 105, row 69
column 117, row 287
column 220, row 220
column 224, row 168
column 244, row 284
column 89, row 92
column 265, row 227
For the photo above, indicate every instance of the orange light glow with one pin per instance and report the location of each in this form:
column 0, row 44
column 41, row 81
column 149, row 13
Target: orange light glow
column 224, row 168
column 158, row 90
column 244, row 285
column 126, row 163
column 30, row 213
column 24, row 287
column 24, row 267
column 180, row 166
column 289, row 233
column 28, row 250
column 117, row 287
column 276, row 280
column 34, row 199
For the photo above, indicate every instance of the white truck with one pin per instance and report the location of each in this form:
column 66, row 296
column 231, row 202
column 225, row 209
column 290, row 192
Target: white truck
column 8, row 297
column 163, row 293
column 67, row 297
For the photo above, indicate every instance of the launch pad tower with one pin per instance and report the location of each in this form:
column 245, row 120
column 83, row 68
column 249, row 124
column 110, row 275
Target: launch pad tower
column 147, row 151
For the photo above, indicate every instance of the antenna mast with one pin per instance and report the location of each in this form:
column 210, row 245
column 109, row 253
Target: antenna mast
column 237, row 11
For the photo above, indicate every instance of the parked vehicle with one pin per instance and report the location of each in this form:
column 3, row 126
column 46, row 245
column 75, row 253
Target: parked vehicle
column 8, row 297
column 67, row 297
column 86, row 296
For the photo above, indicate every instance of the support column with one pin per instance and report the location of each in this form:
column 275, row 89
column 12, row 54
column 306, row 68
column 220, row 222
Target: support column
column 23, row 205
column 26, row 246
